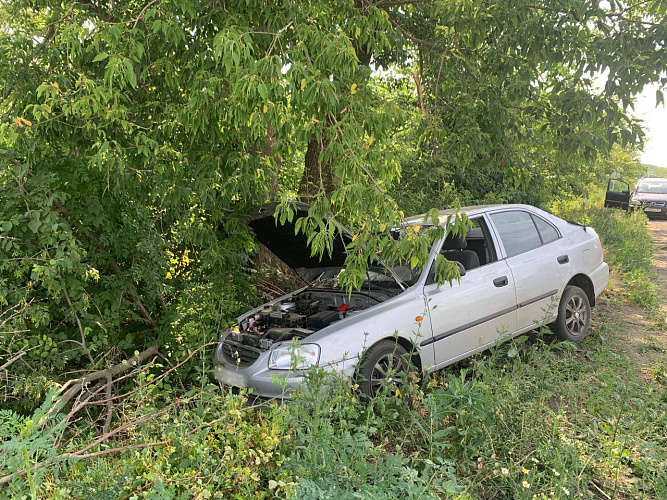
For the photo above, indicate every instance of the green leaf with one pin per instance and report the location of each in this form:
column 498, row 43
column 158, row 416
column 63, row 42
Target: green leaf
column 130, row 74
column 100, row 57
column 34, row 225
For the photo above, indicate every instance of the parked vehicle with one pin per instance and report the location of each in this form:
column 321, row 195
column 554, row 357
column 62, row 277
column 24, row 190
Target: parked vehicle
column 649, row 195
column 520, row 267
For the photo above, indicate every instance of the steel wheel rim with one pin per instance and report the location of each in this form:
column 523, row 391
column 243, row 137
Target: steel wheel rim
column 390, row 368
column 576, row 316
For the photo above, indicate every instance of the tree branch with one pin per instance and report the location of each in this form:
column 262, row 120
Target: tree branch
column 77, row 385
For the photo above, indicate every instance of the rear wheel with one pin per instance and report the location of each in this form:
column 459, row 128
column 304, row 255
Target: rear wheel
column 574, row 315
column 385, row 363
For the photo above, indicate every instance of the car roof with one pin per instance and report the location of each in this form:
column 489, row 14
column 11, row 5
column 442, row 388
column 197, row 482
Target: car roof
column 470, row 211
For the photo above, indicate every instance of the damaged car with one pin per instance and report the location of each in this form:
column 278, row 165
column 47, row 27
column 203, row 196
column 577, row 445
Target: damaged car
column 520, row 268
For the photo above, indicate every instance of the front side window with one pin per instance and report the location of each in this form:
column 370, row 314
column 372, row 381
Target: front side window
column 517, row 231
column 473, row 251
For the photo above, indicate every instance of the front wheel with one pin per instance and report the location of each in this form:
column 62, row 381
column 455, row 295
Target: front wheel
column 384, row 363
column 574, row 315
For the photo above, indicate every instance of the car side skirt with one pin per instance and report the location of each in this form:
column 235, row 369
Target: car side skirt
column 489, row 345
column 483, row 320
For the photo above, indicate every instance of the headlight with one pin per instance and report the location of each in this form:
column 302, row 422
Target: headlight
column 289, row 357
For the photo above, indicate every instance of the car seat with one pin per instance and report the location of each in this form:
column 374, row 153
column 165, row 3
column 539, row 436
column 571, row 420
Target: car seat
column 454, row 249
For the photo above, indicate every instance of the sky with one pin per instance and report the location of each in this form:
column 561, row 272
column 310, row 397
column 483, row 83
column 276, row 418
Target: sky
column 655, row 125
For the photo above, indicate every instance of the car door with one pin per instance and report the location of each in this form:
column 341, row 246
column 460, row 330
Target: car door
column 539, row 262
column 618, row 194
column 473, row 313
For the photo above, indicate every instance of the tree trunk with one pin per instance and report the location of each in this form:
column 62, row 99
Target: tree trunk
column 318, row 176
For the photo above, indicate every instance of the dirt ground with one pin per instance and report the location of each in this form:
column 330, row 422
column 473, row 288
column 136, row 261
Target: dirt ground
column 645, row 335
column 659, row 230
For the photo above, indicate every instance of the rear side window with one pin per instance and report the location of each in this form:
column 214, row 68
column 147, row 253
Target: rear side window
column 517, row 231
column 547, row 232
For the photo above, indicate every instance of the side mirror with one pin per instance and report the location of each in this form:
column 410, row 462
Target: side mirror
column 462, row 270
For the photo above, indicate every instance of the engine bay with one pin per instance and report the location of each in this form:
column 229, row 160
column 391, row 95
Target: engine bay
column 297, row 316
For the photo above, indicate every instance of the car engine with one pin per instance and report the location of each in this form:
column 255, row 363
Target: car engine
column 295, row 317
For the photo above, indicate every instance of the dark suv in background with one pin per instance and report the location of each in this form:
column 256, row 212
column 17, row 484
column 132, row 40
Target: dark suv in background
column 649, row 195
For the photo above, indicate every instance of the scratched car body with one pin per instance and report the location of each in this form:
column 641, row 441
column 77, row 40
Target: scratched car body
column 521, row 267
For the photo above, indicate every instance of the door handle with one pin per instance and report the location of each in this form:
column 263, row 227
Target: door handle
column 502, row 281
column 563, row 259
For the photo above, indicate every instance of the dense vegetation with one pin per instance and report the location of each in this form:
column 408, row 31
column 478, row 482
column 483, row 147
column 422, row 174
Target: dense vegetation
column 134, row 136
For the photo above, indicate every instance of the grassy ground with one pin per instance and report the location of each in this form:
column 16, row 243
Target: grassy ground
column 531, row 419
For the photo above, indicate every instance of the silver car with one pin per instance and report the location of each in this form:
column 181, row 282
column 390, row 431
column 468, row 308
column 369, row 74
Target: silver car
column 520, row 267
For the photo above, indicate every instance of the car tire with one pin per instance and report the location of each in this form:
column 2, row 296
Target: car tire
column 385, row 362
column 574, row 315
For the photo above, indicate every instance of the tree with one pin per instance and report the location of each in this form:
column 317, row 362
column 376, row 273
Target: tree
column 510, row 90
column 135, row 135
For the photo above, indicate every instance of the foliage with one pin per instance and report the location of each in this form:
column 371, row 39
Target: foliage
column 655, row 170
column 338, row 449
column 510, row 109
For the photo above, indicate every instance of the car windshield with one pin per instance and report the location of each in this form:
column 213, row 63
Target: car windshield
column 652, row 187
column 376, row 277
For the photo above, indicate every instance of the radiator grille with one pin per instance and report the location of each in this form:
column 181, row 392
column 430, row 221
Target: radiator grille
column 239, row 354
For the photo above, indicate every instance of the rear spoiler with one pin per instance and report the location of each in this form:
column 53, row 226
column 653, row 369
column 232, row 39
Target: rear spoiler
column 576, row 224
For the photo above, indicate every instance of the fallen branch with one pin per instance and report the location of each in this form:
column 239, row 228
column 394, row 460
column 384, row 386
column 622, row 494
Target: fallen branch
column 156, row 379
column 75, row 386
column 114, row 450
column 82, row 452
column 12, row 360
column 110, row 407
column 594, row 483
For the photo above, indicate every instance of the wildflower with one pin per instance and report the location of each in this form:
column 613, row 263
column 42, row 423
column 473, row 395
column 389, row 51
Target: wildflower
column 556, row 473
column 525, row 471
column 535, row 460
column 504, row 471
column 526, row 484
column 566, row 491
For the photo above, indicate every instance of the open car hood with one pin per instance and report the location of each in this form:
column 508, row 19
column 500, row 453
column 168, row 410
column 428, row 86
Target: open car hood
column 293, row 248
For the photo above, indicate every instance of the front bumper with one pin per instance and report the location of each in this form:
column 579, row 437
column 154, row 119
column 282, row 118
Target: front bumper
column 650, row 210
column 267, row 383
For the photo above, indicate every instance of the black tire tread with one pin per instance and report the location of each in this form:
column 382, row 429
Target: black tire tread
column 370, row 358
column 559, row 325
